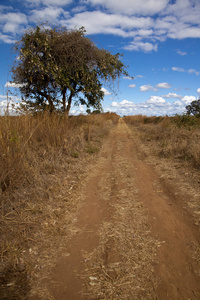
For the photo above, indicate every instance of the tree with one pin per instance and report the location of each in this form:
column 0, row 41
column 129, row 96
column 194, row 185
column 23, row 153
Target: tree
column 193, row 108
column 56, row 66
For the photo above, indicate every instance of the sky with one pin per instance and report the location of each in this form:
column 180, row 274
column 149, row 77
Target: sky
column 159, row 40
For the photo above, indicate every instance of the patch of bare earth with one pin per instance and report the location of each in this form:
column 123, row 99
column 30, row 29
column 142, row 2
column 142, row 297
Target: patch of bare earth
column 132, row 237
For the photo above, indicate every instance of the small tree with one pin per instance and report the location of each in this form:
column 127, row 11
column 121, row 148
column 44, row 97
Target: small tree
column 193, row 108
column 56, row 66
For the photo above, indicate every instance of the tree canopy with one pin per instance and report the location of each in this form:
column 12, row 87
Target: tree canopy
column 56, row 66
column 193, row 108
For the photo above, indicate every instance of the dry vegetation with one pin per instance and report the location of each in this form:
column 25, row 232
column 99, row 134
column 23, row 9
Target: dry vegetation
column 172, row 145
column 173, row 137
column 43, row 158
column 43, row 161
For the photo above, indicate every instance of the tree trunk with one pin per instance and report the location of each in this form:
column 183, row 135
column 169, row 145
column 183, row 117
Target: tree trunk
column 51, row 105
column 69, row 103
column 64, row 100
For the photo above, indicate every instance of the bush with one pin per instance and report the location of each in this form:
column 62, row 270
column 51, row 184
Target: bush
column 185, row 120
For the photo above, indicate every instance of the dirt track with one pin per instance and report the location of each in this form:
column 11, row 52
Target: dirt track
column 133, row 239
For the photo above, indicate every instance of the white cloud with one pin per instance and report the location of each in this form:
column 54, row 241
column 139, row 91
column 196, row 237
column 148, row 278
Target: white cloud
column 50, row 14
column 198, row 91
column 154, row 106
column 141, row 46
column 7, row 39
column 179, row 20
column 139, row 76
column 147, row 87
column 148, row 22
column 178, row 69
column 106, row 92
column 132, row 86
column 156, row 100
column 178, row 103
column 163, row 85
column 181, row 52
column 18, row 18
column 9, row 105
column 12, row 22
column 13, row 85
column 130, row 7
column 96, row 22
column 127, row 78
column 4, row 8
column 183, row 31
column 145, row 33
column 190, row 71
column 185, row 10
column 172, row 95
column 79, row 9
column 193, row 71
column 49, row 2
column 75, row 111
column 188, row 99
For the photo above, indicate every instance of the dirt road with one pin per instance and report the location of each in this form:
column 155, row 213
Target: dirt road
column 133, row 239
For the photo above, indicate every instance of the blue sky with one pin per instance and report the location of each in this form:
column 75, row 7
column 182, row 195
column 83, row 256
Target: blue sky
column 160, row 40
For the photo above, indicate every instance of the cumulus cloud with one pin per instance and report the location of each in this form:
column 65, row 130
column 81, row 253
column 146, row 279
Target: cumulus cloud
column 190, row 71
column 132, row 86
column 198, row 91
column 127, row 78
column 183, row 31
column 50, row 14
column 188, row 99
column 13, row 85
column 139, row 76
column 172, row 95
column 154, row 106
column 147, row 87
column 141, row 46
column 49, row 2
column 79, row 9
column 181, row 52
column 8, row 104
column 178, row 103
column 13, row 22
column 106, row 92
column 147, row 22
column 163, row 85
column 156, row 100
column 6, row 39
column 96, row 22
column 177, row 69
column 151, row 107
column 75, row 111
column 129, row 7
column 193, row 71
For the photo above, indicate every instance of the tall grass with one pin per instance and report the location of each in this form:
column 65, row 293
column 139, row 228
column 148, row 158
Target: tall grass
column 177, row 137
column 25, row 141
column 41, row 159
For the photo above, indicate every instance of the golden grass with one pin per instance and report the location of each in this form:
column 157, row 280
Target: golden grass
column 42, row 159
column 172, row 145
column 174, row 137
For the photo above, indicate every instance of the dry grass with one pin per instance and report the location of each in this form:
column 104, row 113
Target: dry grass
column 176, row 137
column 172, row 145
column 42, row 160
